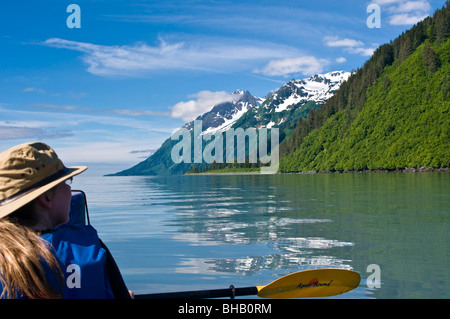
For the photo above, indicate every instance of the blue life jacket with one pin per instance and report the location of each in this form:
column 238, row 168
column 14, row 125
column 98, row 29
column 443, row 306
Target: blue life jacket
column 82, row 260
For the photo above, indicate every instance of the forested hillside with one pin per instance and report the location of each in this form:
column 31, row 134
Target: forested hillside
column 393, row 113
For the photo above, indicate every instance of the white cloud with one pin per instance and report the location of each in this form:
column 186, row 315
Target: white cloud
column 43, row 124
column 349, row 45
column 83, row 137
column 34, row 89
column 135, row 112
column 384, row 2
column 202, row 102
column 341, row 60
column 336, row 42
column 412, row 6
column 216, row 55
column 71, row 94
column 56, row 107
column 306, row 65
column 76, row 108
column 406, row 19
column 361, row 51
column 8, row 132
column 405, row 12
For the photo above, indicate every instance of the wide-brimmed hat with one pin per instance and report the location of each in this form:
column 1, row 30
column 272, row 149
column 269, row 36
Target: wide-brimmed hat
column 27, row 171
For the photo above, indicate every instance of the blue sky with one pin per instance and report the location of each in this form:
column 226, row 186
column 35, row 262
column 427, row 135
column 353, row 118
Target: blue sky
column 113, row 90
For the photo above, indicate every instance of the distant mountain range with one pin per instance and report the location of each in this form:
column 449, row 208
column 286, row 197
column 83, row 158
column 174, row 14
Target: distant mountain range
column 392, row 113
column 279, row 109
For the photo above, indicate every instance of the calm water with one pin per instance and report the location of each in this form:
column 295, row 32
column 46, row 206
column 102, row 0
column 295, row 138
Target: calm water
column 204, row 232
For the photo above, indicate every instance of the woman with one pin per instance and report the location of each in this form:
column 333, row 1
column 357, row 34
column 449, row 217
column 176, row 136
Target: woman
column 41, row 256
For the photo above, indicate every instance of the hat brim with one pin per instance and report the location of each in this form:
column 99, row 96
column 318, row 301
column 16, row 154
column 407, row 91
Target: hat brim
column 14, row 205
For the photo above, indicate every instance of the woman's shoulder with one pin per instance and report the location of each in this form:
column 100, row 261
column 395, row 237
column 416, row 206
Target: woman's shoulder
column 76, row 234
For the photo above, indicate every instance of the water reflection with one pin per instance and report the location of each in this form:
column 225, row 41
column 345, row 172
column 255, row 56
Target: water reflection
column 189, row 232
column 231, row 210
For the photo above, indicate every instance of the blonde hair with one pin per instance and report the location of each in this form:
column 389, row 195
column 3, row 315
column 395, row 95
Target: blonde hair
column 22, row 254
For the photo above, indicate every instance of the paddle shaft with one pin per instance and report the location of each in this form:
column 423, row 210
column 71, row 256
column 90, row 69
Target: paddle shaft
column 199, row 294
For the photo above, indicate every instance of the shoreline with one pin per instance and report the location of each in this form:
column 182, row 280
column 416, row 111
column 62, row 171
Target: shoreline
column 367, row 171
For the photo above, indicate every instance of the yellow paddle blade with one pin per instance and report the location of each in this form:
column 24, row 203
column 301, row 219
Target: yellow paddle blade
column 311, row 283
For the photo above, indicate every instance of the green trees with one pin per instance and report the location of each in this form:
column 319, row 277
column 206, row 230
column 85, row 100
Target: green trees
column 393, row 113
column 430, row 58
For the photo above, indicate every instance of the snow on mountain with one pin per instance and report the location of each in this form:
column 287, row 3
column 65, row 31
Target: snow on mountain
column 278, row 107
column 222, row 116
column 293, row 100
column 318, row 88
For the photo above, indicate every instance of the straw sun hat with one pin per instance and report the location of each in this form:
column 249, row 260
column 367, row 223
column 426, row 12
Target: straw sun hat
column 27, row 171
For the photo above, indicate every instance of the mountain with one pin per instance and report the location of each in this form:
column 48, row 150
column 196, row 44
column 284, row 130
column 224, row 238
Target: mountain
column 293, row 100
column 224, row 115
column 393, row 113
column 281, row 108
column 318, row 88
column 221, row 117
